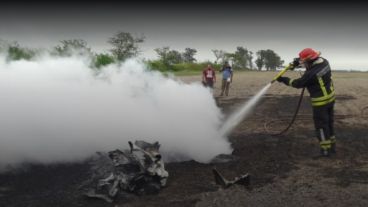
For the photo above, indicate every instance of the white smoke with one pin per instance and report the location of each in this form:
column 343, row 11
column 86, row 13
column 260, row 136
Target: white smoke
column 56, row 110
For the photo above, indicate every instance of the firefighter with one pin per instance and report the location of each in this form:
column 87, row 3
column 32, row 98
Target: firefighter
column 317, row 79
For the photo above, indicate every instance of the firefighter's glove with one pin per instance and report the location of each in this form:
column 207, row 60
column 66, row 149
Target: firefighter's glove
column 295, row 63
column 284, row 80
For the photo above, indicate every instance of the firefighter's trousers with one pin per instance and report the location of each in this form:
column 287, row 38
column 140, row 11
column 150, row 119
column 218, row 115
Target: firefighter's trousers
column 323, row 117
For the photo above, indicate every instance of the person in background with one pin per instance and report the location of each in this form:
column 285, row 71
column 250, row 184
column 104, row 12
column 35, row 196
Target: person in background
column 227, row 78
column 209, row 76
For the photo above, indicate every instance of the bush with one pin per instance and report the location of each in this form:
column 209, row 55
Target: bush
column 157, row 65
column 103, row 60
column 160, row 66
column 18, row 53
column 194, row 66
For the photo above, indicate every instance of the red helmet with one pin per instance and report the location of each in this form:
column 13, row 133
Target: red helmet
column 308, row 54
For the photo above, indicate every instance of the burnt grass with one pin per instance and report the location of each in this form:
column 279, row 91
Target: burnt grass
column 257, row 152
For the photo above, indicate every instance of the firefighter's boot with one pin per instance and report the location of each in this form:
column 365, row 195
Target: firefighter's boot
column 325, row 148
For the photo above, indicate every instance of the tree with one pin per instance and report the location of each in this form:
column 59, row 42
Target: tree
column 169, row 57
column 269, row 59
column 272, row 60
column 162, row 53
column 228, row 57
column 72, row 47
column 260, row 59
column 241, row 58
column 174, row 57
column 250, row 59
column 259, row 63
column 219, row 54
column 188, row 55
column 125, row 45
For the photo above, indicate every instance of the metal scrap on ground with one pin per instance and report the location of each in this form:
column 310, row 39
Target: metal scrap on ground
column 220, row 180
column 139, row 170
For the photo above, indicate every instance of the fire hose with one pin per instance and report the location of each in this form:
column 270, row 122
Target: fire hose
column 294, row 116
column 363, row 110
column 289, row 67
column 266, row 125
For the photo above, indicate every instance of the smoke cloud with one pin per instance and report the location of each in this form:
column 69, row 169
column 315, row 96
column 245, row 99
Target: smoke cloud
column 58, row 110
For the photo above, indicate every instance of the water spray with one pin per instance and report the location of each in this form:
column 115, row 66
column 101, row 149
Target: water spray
column 240, row 114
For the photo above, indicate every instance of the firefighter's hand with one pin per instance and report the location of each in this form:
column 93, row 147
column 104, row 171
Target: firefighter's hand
column 279, row 79
column 283, row 80
column 295, row 63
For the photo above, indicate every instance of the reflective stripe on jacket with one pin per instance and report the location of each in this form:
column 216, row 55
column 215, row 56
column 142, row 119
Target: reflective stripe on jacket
column 318, row 82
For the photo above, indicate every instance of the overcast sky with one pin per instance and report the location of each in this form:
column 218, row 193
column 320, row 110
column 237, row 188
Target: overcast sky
column 338, row 30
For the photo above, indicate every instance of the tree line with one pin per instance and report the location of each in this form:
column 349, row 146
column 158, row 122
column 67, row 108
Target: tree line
column 124, row 45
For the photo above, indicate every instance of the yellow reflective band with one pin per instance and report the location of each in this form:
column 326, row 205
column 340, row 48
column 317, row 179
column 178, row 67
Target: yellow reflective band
column 326, row 147
column 325, row 144
column 323, row 98
column 321, row 103
column 322, row 85
column 291, row 82
column 326, row 98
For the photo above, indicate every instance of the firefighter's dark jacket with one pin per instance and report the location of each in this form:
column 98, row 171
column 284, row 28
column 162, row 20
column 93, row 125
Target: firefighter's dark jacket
column 318, row 82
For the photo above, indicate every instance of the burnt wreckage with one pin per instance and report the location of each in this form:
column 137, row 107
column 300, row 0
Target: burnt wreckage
column 139, row 170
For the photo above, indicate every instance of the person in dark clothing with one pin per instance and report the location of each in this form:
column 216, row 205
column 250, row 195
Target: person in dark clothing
column 317, row 79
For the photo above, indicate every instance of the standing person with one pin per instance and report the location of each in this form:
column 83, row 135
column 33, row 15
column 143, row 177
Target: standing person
column 227, row 78
column 209, row 76
column 317, row 80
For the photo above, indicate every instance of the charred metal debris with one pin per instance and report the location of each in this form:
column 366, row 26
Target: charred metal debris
column 139, row 170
